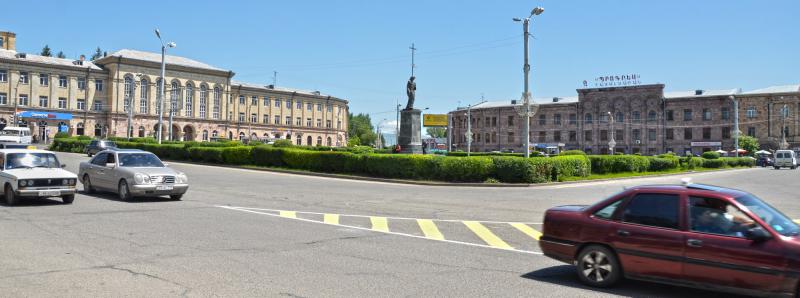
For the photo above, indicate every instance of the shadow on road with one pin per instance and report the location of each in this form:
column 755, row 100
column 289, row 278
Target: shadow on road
column 113, row 197
column 33, row 202
column 565, row 275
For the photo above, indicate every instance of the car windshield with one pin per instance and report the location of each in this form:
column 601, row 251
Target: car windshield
column 31, row 160
column 9, row 132
column 139, row 160
column 774, row 218
column 109, row 144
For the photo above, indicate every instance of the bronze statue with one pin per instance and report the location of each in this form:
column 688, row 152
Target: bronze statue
column 411, row 90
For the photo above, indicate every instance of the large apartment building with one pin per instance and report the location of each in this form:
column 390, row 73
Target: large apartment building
column 107, row 96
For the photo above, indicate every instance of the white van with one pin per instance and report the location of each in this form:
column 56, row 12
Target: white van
column 785, row 159
column 19, row 135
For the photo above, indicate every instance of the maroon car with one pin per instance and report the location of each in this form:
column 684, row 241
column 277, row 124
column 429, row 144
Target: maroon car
column 691, row 235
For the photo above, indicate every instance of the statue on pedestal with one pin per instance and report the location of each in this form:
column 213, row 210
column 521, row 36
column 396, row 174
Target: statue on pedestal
column 411, row 90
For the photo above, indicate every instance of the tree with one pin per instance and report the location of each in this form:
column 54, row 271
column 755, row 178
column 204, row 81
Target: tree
column 46, row 51
column 361, row 126
column 353, row 141
column 98, row 53
column 437, row 132
column 749, row 143
column 61, row 55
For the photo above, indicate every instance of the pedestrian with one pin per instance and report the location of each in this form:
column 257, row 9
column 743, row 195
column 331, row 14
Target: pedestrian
column 424, row 148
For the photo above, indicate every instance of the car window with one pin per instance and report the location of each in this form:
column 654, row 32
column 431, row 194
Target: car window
column 608, row 211
column 774, row 218
column 31, row 160
column 658, row 210
column 139, row 160
column 111, row 158
column 109, row 144
column 100, row 159
column 92, row 143
column 715, row 216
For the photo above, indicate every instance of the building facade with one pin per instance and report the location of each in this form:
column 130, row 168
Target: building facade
column 118, row 95
column 640, row 119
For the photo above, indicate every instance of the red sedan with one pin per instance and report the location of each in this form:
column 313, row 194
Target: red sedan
column 691, row 235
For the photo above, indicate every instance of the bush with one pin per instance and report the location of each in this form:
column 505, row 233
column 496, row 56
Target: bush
column 84, row 138
column 400, row 166
column 663, row 163
column 237, row 155
column 710, row 155
column 206, row 154
column 61, row 135
column 268, row 156
column 572, row 152
column 570, row 166
column 603, row 164
column 520, row 170
column 282, row 143
column 739, row 161
column 714, row 163
column 465, row 169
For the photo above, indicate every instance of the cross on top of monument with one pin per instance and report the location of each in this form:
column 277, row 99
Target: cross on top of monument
column 413, row 50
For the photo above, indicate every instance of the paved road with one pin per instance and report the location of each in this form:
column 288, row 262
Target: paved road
column 249, row 233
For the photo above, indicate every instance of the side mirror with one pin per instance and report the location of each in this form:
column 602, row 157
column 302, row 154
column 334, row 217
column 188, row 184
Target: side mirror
column 110, row 165
column 63, row 166
column 757, row 234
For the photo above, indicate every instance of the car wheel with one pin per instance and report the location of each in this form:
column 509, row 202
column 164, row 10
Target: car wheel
column 123, row 191
column 67, row 199
column 11, row 197
column 777, row 168
column 87, row 185
column 598, row 267
column 176, row 197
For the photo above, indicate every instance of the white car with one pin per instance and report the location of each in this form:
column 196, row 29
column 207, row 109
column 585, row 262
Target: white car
column 19, row 135
column 785, row 159
column 35, row 174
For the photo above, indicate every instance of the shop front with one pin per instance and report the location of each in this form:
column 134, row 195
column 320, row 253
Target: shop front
column 44, row 125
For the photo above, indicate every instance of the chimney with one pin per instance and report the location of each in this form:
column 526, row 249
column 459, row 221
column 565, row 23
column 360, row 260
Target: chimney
column 555, row 99
column 270, row 86
column 698, row 92
column 8, row 40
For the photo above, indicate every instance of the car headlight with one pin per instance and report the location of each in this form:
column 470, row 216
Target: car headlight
column 181, row 178
column 23, row 183
column 65, row 182
column 141, row 178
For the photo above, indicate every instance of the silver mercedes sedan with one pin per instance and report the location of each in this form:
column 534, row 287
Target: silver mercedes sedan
column 132, row 173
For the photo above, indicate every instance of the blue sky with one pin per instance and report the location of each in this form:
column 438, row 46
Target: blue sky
column 358, row 50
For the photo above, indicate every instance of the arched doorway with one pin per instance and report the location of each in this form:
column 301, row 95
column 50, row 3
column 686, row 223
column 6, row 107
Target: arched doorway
column 79, row 129
column 329, row 143
column 319, row 141
column 98, row 130
column 230, row 135
column 205, row 135
column 188, row 133
column 141, row 132
column 308, row 141
column 299, row 140
column 254, row 137
column 241, row 136
column 176, row 133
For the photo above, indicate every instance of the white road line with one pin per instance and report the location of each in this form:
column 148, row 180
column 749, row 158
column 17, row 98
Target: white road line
column 392, row 233
column 388, row 217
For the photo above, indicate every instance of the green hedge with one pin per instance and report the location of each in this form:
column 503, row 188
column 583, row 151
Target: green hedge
column 714, row 163
column 572, row 152
column 603, row 164
column 570, row 166
column 663, row 163
column 710, row 155
column 467, row 169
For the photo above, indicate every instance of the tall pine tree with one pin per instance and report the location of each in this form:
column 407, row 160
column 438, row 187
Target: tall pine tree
column 97, row 54
column 46, row 51
column 61, row 55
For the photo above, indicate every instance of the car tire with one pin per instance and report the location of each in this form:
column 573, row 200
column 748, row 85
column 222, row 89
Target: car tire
column 87, row 185
column 597, row 266
column 123, row 191
column 777, row 168
column 68, row 199
column 11, row 197
column 176, row 197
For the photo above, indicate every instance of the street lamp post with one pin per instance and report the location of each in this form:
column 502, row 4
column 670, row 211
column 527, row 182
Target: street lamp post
column 160, row 101
column 784, row 112
column 611, row 143
column 735, row 125
column 527, row 111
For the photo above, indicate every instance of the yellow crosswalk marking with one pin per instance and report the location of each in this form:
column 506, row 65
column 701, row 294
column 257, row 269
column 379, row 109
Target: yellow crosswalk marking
column 430, row 229
column 487, row 236
column 332, row 219
column 379, row 223
column 527, row 230
column 289, row 214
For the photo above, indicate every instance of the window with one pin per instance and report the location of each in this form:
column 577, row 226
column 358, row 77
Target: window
column 751, row 112
column 205, row 135
column 542, row 119
column 278, row 103
column 189, row 103
column 338, row 124
column 651, row 116
column 241, row 99
column 510, row 137
column 510, row 120
column 319, row 109
column 319, row 141
column 637, row 135
column 785, row 111
column 706, row 114
column 98, row 105
column 3, row 75
column 309, row 107
column 62, row 102
column 23, row 77
column 486, row 122
column 43, row 101
column 587, row 135
column 658, row 210
column 619, row 135
column 127, row 93
column 670, row 115
column 241, row 117
column 715, row 216
column 299, row 106
column 23, row 99
column 308, row 122
column 3, row 99
column 288, row 103
column 175, row 98
column 687, row 133
column 44, row 79
column 327, row 123
column 670, row 134
column 608, row 211
column 277, row 120
column 308, row 141
column 651, row 134
column 62, row 81
column 588, row 118
column 299, row 121
column 751, row 131
column 217, row 101
column 265, row 119
column 603, row 118
column 687, row 115
column 254, row 100
column 557, row 119
column 288, row 120
column 81, row 104
column 619, row 118
column 487, row 140
column 726, row 133
column 494, row 121
column 319, row 122
column 604, row 135
column 81, row 83
column 98, row 85
column 573, row 136
column 706, row 133
column 203, row 101
column 573, row 119
column 637, row 116
column 143, row 97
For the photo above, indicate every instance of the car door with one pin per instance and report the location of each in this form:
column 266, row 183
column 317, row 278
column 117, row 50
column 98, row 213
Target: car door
column 97, row 169
column 718, row 253
column 647, row 236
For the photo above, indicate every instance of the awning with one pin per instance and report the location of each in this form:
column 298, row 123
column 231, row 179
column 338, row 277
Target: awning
column 44, row 115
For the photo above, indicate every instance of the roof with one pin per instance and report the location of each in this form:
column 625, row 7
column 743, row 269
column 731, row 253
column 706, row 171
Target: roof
column 703, row 93
column 693, row 186
column 156, row 57
column 276, row 88
column 775, row 89
column 25, row 151
column 12, row 55
column 508, row 103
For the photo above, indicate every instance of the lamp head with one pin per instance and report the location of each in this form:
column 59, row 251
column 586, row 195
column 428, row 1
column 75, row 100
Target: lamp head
column 172, row 45
column 517, row 20
column 537, row 11
column 158, row 33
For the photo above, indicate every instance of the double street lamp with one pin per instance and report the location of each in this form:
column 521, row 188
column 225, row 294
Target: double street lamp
column 611, row 143
column 160, row 101
column 527, row 111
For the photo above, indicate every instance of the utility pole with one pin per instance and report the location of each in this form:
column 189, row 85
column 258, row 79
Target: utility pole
column 469, row 129
column 161, row 84
column 735, row 125
column 784, row 112
column 527, row 111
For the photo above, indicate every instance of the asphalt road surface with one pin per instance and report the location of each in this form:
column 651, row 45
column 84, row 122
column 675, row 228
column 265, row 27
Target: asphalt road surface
column 252, row 233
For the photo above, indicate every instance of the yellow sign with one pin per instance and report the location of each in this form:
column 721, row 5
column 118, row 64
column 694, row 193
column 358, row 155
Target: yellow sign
column 434, row 120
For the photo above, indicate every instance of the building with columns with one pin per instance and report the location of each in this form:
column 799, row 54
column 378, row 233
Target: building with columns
column 640, row 118
column 118, row 92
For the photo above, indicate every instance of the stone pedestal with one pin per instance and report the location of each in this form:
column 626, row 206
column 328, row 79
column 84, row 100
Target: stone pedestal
column 410, row 136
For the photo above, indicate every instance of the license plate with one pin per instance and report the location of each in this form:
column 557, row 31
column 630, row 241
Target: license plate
column 163, row 187
column 49, row 193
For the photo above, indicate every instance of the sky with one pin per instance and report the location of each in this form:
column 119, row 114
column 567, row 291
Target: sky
column 467, row 50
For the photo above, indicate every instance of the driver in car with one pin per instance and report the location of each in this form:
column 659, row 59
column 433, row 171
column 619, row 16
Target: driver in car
column 719, row 219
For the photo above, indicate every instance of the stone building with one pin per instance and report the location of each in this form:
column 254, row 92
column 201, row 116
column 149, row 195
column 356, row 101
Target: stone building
column 106, row 96
column 640, row 119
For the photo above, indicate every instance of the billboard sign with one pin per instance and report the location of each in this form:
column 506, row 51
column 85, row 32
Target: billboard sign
column 434, row 120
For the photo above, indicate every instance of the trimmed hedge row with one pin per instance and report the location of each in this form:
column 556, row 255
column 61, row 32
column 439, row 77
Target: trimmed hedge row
column 603, row 164
column 464, row 154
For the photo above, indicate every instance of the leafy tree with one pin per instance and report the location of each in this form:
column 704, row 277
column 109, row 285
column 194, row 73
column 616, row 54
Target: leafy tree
column 61, row 55
column 46, row 51
column 97, row 54
column 361, row 126
column 749, row 143
column 437, row 132
column 353, row 141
